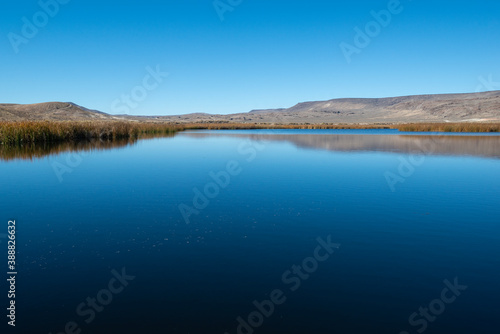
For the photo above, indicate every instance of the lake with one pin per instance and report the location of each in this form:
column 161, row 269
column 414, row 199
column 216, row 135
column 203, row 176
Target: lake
column 258, row 231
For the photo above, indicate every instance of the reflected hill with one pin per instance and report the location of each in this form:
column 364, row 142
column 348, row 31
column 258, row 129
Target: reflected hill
column 454, row 145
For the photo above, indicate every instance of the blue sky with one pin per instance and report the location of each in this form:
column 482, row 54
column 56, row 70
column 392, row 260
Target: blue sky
column 264, row 54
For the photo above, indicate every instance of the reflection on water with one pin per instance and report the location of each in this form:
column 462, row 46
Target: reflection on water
column 29, row 152
column 457, row 145
column 122, row 209
column 480, row 146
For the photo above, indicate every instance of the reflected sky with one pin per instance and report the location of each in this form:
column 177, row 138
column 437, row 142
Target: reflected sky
column 459, row 144
column 119, row 207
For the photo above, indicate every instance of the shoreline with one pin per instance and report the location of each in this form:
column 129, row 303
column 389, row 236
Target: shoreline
column 51, row 132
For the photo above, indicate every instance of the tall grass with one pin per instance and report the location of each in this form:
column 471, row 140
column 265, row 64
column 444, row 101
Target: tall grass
column 26, row 133
column 35, row 132
column 250, row 126
column 450, row 127
column 412, row 127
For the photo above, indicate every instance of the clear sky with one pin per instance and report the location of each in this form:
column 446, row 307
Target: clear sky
column 263, row 54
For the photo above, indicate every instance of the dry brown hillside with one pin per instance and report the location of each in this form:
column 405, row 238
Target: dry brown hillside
column 474, row 107
column 59, row 111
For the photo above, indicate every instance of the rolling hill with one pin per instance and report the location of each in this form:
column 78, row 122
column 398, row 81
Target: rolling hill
column 473, row 107
column 52, row 111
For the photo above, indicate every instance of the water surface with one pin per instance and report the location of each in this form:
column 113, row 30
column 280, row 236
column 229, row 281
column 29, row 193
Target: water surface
column 406, row 211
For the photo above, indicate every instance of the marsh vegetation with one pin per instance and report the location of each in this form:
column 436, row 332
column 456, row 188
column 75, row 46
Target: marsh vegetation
column 36, row 132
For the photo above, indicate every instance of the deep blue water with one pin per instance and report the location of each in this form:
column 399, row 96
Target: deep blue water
column 208, row 223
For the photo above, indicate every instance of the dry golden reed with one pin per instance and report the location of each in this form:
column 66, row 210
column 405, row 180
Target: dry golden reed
column 25, row 133
column 450, row 127
column 32, row 132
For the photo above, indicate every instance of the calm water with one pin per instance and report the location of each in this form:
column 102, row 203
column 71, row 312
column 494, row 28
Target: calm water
column 258, row 232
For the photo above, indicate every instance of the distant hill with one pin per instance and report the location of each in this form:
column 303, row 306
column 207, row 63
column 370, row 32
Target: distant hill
column 49, row 111
column 474, row 107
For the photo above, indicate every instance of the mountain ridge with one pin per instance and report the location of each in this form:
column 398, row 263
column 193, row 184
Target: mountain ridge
column 465, row 107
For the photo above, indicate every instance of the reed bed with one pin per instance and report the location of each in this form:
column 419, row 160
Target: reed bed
column 251, row 126
column 412, row 127
column 36, row 132
column 27, row 133
column 450, row 127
